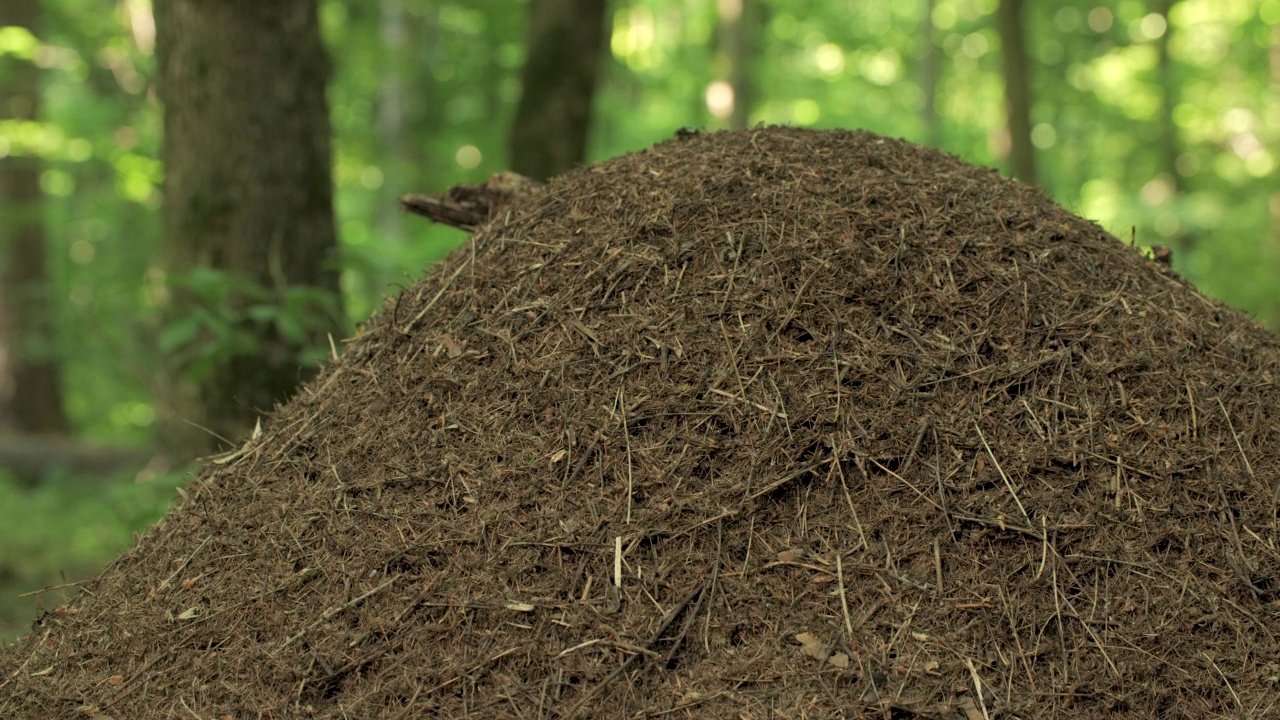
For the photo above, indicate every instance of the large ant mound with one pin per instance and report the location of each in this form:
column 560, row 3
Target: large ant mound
column 773, row 423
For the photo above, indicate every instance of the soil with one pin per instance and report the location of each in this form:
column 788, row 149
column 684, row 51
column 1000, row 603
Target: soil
column 765, row 424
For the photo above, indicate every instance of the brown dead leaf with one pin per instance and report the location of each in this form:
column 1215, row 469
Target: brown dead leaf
column 970, row 709
column 814, row 647
column 792, row 555
column 452, row 347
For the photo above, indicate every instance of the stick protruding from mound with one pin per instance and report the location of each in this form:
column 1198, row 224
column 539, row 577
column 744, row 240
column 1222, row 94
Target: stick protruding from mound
column 467, row 207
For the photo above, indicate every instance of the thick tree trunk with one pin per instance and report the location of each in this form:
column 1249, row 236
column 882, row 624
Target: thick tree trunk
column 30, row 382
column 247, row 182
column 563, row 44
column 1017, row 93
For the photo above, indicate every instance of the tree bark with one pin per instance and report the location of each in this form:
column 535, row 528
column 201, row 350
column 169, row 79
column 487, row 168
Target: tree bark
column 1017, row 93
column 248, row 187
column 564, row 40
column 393, row 33
column 1170, row 144
column 929, row 69
column 31, row 399
column 1273, row 202
column 736, row 38
column 1168, row 96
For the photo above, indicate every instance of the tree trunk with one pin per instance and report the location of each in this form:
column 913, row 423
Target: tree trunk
column 1168, row 96
column 1017, row 93
column 393, row 33
column 1273, row 202
column 30, row 382
column 564, row 41
column 1170, row 146
column 736, row 40
column 929, row 69
column 248, row 187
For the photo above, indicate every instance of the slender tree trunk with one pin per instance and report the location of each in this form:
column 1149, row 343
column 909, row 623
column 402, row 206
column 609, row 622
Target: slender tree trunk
column 1170, row 145
column 564, row 41
column 929, row 70
column 423, row 116
column 393, row 32
column 1169, row 151
column 736, row 40
column 1273, row 202
column 247, row 182
column 30, row 382
column 1017, row 93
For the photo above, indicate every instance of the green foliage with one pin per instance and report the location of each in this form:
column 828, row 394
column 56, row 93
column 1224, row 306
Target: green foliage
column 64, row 530
column 226, row 315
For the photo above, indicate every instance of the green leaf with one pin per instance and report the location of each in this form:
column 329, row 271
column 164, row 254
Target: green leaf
column 180, row 333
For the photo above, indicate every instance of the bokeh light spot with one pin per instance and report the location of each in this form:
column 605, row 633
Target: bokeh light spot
column 468, row 157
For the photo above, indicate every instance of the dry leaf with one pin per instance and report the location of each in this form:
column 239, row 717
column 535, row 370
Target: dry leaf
column 812, row 646
column 792, row 555
column 970, row 709
column 452, row 347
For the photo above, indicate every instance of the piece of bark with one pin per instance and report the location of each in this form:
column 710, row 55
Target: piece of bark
column 466, row 207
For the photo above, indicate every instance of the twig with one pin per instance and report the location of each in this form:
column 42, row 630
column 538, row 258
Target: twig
column 334, row 611
column 626, row 436
column 1004, row 477
column 844, row 600
column 444, row 286
column 183, row 566
column 648, row 644
column 26, row 662
column 63, row 586
column 1236, row 437
column 937, row 563
column 617, row 562
column 472, row 669
column 582, row 462
column 904, row 481
column 684, row 631
column 1224, row 680
column 977, row 687
column 786, row 479
column 715, row 577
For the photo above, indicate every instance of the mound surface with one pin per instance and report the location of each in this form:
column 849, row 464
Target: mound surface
column 775, row 423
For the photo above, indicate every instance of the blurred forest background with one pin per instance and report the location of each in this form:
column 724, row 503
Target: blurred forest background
column 1158, row 119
